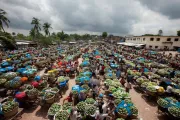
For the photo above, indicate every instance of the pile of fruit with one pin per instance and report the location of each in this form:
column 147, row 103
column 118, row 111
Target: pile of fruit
column 90, row 101
column 151, row 89
column 175, row 111
column 117, row 101
column 14, row 83
column 81, row 106
column 90, row 110
column 2, row 81
column 67, row 106
column 10, row 75
column 121, row 94
column 134, row 110
column 9, row 106
column 62, row 115
column 120, row 119
column 54, row 109
column 122, row 111
column 162, row 102
column 141, row 80
column 62, row 79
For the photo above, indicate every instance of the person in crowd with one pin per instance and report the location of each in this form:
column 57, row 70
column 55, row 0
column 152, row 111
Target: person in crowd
column 73, row 114
column 122, row 81
column 128, row 86
column 169, row 90
column 118, row 73
column 172, row 74
column 69, row 98
column 82, row 96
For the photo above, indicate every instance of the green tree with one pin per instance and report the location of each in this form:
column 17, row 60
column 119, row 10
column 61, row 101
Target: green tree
column 104, row 34
column 20, row 36
column 61, row 35
column 32, row 33
column 37, row 28
column 46, row 27
column 7, row 40
column 178, row 33
column 3, row 19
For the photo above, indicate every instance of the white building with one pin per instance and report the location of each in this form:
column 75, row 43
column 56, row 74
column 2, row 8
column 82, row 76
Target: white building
column 156, row 42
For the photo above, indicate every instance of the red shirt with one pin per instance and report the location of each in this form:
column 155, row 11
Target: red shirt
column 69, row 99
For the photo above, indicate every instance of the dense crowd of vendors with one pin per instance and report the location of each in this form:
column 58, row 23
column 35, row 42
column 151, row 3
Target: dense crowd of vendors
column 103, row 80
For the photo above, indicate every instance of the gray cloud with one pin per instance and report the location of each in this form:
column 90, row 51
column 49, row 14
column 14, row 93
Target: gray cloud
column 170, row 8
column 120, row 17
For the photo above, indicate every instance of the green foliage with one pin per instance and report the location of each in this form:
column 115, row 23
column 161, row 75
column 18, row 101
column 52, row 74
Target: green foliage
column 3, row 19
column 46, row 28
column 7, row 40
column 178, row 33
column 104, row 34
column 37, row 28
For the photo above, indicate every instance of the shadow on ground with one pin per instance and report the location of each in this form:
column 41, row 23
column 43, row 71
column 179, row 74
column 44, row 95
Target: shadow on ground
column 150, row 100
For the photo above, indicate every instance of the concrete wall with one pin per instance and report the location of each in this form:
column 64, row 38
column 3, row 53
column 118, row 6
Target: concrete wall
column 156, row 42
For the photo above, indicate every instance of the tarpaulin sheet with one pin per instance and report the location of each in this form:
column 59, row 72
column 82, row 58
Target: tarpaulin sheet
column 124, row 105
column 77, row 88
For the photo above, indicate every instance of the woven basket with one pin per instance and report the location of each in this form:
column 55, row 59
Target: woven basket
column 11, row 113
column 50, row 100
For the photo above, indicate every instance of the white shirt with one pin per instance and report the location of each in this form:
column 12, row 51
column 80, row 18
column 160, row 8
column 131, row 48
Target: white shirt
column 100, row 116
column 73, row 116
column 169, row 89
column 104, row 107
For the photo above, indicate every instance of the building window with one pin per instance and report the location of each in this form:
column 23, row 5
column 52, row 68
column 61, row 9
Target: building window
column 176, row 39
column 144, row 39
column 134, row 38
column 156, row 46
column 152, row 39
column 150, row 46
column 158, row 39
column 169, row 39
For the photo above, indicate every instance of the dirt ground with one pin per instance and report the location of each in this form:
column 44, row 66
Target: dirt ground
column 147, row 106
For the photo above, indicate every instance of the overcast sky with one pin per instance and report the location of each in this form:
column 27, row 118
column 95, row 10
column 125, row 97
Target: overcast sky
column 118, row 17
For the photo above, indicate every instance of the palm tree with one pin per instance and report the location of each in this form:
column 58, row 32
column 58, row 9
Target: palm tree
column 32, row 33
column 3, row 19
column 36, row 23
column 46, row 27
